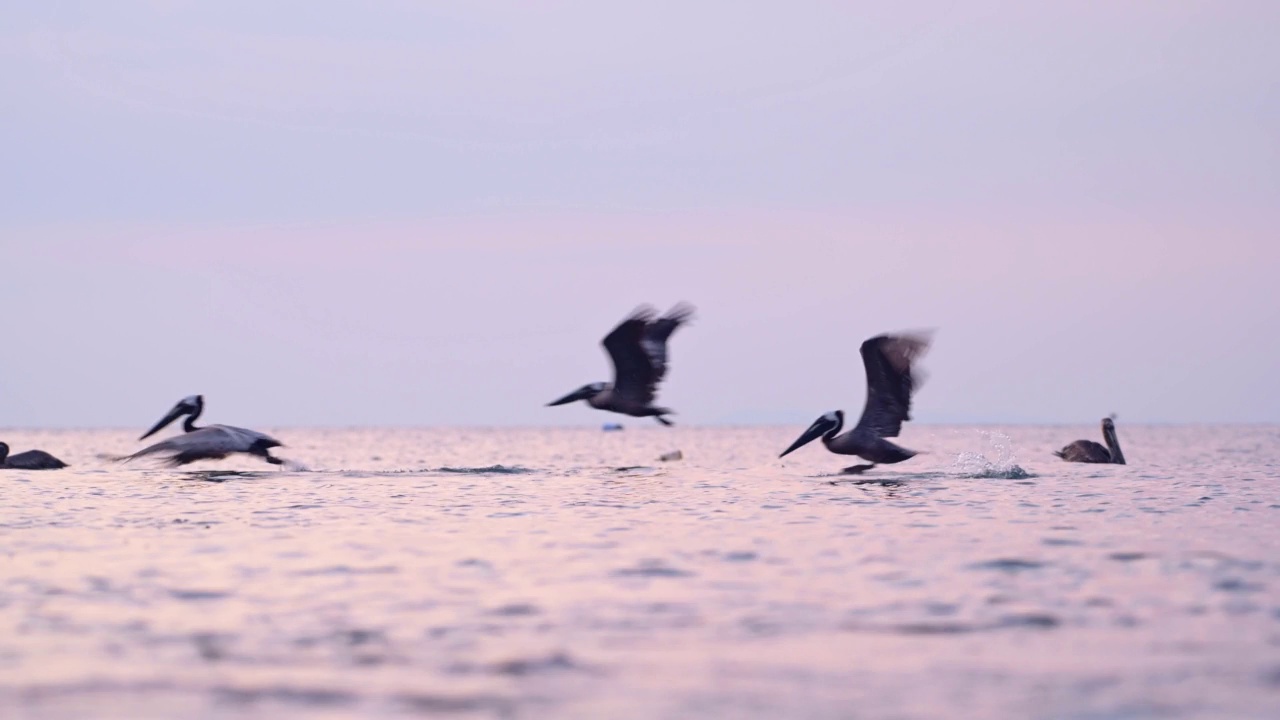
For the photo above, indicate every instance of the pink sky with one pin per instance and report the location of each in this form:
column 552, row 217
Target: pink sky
column 409, row 216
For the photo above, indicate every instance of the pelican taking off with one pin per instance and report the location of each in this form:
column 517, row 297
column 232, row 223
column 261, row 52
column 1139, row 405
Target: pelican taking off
column 1088, row 451
column 638, row 349
column 213, row 442
column 888, row 360
column 29, row 460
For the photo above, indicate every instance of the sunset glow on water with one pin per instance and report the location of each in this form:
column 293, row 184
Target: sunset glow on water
column 523, row 573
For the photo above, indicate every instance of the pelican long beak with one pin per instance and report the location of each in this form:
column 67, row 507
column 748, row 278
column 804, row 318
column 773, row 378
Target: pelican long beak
column 177, row 412
column 814, row 432
column 579, row 394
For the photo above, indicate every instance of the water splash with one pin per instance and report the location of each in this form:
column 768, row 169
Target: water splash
column 997, row 460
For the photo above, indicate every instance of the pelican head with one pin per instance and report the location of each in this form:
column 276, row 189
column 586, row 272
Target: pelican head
column 582, row 393
column 191, row 405
column 827, row 425
column 1112, row 442
column 1109, row 431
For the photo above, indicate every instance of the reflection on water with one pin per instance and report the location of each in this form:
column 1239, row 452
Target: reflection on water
column 568, row 573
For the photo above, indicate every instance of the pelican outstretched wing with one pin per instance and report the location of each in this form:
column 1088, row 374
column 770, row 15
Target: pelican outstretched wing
column 634, row 375
column 208, row 443
column 638, row 349
column 654, row 340
column 891, row 379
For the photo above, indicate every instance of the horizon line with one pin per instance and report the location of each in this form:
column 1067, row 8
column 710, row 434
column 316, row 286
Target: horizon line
column 642, row 426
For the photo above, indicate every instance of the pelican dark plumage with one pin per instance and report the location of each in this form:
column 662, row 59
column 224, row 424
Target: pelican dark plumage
column 29, row 460
column 213, row 442
column 889, row 362
column 1088, row 451
column 638, row 349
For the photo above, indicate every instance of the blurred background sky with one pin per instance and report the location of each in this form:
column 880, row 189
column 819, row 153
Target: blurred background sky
column 395, row 212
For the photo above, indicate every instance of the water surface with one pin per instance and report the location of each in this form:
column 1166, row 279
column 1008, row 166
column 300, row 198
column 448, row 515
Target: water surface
column 568, row 573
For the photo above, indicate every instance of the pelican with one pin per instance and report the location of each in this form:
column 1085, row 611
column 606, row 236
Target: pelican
column 29, row 460
column 888, row 360
column 638, row 349
column 213, row 442
column 1088, row 451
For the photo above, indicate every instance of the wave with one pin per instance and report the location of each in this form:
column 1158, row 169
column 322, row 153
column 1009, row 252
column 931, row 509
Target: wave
column 487, row 470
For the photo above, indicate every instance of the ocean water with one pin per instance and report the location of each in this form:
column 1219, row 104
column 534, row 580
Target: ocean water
column 567, row 573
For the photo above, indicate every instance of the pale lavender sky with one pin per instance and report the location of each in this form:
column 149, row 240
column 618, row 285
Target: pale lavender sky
column 340, row 213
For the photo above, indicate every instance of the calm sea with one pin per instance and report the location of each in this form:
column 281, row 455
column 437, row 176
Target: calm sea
column 568, row 573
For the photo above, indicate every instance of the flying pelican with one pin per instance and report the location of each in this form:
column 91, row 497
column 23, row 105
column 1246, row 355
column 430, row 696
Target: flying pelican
column 638, row 349
column 214, row 442
column 29, row 460
column 888, row 360
column 1088, row 451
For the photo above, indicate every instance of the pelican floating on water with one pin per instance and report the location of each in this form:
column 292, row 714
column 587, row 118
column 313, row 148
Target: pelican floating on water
column 29, row 460
column 888, row 360
column 638, row 349
column 213, row 442
column 1088, row 451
